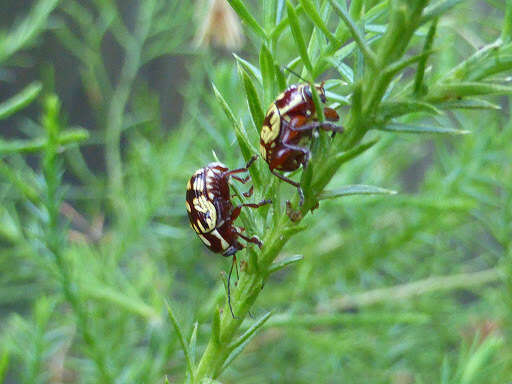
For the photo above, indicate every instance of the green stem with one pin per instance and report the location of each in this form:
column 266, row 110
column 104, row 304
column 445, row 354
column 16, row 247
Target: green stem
column 417, row 288
column 114, row 124
column 54, row 241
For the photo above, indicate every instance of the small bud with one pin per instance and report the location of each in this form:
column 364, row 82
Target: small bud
column 221, row 26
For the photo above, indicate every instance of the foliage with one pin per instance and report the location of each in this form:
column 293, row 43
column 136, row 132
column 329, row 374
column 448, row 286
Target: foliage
column 403, row 273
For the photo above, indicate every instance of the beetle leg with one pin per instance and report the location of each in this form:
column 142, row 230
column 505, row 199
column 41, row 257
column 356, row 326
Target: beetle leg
column 236, row 212
column 256, row 205
column 242, row 180
column 251, row 160
column 294, row 183
column 234, row 248
column 240, row 170
column 254, row 239
column 238, row 209
column 229, row 284
column 331, row 114
column 246, row 194
column 304, row 151
column 249, row 192
column 326, row 126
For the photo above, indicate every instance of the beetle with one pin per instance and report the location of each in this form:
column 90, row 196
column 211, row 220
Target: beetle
column 212, row 214
column 287, row 130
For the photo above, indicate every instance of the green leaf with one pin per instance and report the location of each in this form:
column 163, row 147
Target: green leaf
column 193, row 343
column 249, row 334
column 247, row 17
column 420, row 72
column 71, row 136
column 445, row 371
column 25, row 31
column 267, row 75
column 249, row 68
column 343, row 157
column 356, row 7
column 473, row 64
column 405, row 62
column 470, row 88
column 390, row 109
column 311, row 10
column 208, row 380
column 4, row 363
column 238, row 345
column 318, row 104
column 351, row 190
column 224, row 105
column 506, row 31
column 284, row 262
column 269, row 13
column 356, row 33
column 281, row 79
column 117, row 298
column 408, row 128
column 216, row 326
column 252, row 99
column 482, row 357
column 281, row 26
column 20, row 100
column 344, row 70
column 298, row 37
column 181, row 338
column 441, row 203
column 438, row 9
column 488, row 66
column 468, row 104
column 246, row 147
column 18, row 180
column 294, row 229
column 353, row 319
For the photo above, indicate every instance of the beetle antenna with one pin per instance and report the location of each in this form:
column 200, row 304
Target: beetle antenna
column 295, row 73
column 229, row 290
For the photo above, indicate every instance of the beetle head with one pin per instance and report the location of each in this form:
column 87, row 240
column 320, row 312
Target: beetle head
column 321, row 91
column 319, row 88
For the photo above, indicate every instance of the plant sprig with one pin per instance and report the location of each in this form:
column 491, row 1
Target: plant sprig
column 390, row 54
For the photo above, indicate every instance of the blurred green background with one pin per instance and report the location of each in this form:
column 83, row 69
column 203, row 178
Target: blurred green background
column 410, row 288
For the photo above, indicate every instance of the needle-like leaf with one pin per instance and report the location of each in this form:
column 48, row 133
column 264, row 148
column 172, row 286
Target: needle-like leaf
column 181, row 338
column 356, row 33
column 298, row 37
column 20, row 101
column 409, row 128
column 351, row 190
column 247, row 17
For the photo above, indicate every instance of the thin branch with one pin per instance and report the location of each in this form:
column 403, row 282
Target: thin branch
column 356, row 34
column 120, row 100
column 409, row 290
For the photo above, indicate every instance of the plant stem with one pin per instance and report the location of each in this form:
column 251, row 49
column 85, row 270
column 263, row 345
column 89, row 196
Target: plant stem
column 54, row 241
column 406, row 291
column 114, row 124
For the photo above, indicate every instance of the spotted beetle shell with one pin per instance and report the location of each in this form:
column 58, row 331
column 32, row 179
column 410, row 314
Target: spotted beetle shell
column 296, row 100
column 209, row 207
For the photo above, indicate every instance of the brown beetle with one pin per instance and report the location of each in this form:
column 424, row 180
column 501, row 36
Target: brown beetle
column 212, row 214
column 288, row 127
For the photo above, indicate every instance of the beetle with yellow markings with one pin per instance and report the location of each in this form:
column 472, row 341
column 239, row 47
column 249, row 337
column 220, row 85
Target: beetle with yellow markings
column 212, row 214
column 287, row 129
